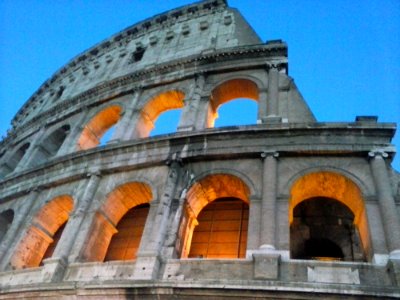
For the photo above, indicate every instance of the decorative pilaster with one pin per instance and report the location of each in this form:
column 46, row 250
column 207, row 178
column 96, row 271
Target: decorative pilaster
column 70, row 143
column 192, row 106
column 30, row 152
column 268, row 204
column 273, row 92
column 148, row 257
column 71, row 244
column 390, row 217
column 10, row 239
column 125, row 127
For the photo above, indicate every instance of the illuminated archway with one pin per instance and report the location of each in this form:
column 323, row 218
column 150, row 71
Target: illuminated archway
column 229, row 196
column 160, row 103
column 6, row 218
column 228, row 91
column 97, row 127
column 43, row 234
column 50, row 145
column 123, row 214
column 334, row 198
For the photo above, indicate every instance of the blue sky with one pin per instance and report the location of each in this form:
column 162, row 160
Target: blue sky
column 344, row 55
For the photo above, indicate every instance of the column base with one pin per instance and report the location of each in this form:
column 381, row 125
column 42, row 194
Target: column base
column 54, row 269
column 146, row 268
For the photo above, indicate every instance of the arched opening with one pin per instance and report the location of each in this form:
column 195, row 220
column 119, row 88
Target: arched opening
column 117, row 227
column 45, row 231
column 215, row 220
column 10, row 165
column 6, row 218
column 235, row 89
column 323, row 229
column 237, row 112
column 125, row 243
column 167, row 122
column 50, row 145
column 94, row 130
column 222, row 230
column 328, row 219
column 163, row 102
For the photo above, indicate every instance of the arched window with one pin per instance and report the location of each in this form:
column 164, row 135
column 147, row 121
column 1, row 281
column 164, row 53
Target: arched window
column 94, row 130
column 44, row 233
column 214, row 224
column 9, row 166
column 167, row 101
column 125, row 243
column 327, row 219
column 50, row 145
column 243, row 91
column 222, row 230
column 117, row 228
column 6, row 218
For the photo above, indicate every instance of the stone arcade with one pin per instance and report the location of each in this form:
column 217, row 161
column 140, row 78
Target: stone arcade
column 285, row 208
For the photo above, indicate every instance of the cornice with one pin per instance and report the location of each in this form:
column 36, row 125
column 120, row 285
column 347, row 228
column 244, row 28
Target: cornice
column 232, row 142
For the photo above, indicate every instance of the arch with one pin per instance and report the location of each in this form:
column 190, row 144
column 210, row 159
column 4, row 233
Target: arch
column 6, row 218
column 162, row 102
column 43, row 233
column 50, row 145
column 12, row 162
column 117, row 204
column 97, row 127
column 228, row 91
column 334, row 186
column 203, row 192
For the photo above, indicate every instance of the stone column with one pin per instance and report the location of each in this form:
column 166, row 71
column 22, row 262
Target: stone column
column 273, row 92
column 70, row 143
column 125, row 127
column 75, row 237
column 30, row 152
column 11, row 237
column 55, row 266
column 390, row 217
column 192, row 106
column 172, row 236
column 148, row 257
column 268, row 204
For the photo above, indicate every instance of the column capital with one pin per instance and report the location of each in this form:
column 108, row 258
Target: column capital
column 96, row 173
column 272, row 153
column 378, row 152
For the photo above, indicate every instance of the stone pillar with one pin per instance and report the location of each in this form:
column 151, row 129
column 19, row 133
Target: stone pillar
column 70, row 142
column 30, row 152
column 262, row 105
column 273, row 92
column 148, row 257
column 74, row 237
column 253, row 232
column 171, row 239
column 192, row 106
column 20, row 216
column 390, row 217
column 268, row 204
column 125, row 127
column 55, row 266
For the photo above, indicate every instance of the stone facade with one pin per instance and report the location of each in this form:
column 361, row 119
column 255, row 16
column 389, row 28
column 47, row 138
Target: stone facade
column 285, row 208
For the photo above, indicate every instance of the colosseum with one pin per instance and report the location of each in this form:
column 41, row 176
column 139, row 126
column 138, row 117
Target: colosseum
column 287, row 208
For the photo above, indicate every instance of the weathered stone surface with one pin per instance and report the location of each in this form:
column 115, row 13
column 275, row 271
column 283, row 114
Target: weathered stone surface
column 54, row 172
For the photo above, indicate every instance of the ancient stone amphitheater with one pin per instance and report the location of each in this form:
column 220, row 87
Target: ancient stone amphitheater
column 284, row 208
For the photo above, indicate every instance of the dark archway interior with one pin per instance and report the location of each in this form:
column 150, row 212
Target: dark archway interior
column 323, row 229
